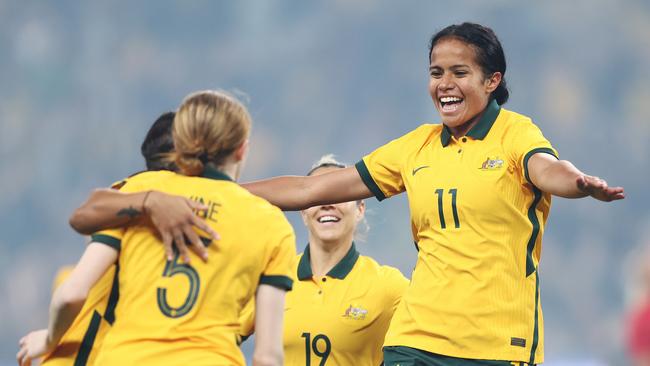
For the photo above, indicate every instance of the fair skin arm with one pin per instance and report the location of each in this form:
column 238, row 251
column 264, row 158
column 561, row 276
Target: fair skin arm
column 173, row 216
column 269, row 305
column 563, row 179
column 67, row 301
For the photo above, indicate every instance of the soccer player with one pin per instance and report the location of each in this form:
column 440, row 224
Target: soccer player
column 171, row 312
column 79, row 344
column 479, row 187
column 342, row 302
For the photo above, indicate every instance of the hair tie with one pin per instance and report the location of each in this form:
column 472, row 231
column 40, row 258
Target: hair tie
column 204, row 157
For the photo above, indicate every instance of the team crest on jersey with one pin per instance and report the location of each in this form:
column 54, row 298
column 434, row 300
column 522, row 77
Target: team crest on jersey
column 356, row 313
column 492, row 164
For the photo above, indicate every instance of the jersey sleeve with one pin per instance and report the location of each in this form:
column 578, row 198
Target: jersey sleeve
column 381, row 170
column 113, row 237
column 527, row 142
column 395, row 286
column 247, row 320
column 281, row 249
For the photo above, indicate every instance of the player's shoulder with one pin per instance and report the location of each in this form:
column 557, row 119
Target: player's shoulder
column 142, row 177
column 383, row 272
column 514, row 120
column 258, row 208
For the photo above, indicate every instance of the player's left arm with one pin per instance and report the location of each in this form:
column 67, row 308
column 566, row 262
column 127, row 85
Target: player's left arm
column 67, row 301
column 562, row 178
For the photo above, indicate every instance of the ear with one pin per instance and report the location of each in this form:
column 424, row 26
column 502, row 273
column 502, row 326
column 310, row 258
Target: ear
column 241, row 151
column 303, row 215
column 492, row 82
column 361, row 210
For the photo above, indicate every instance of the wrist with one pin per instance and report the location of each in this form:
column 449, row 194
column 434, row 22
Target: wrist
column 146, row 203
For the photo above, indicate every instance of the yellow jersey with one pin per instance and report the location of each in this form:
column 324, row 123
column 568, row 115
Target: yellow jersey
column 80, row 342
column 340, row 318
column 170, row 312
column 478, row 223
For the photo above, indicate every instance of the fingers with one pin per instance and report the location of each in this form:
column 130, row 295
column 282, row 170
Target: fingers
column 196, row 206
column 22, row 357
column 179, row 243
column 203, row 226
column 167, row 244
column 195, row 243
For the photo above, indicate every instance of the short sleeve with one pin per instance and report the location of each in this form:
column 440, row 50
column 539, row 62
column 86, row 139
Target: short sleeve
column 280, row 252
column 381, row 169
column 113, row 237
column 395, row 286
column 247, row 320
column 528, row 141
column 110, row 237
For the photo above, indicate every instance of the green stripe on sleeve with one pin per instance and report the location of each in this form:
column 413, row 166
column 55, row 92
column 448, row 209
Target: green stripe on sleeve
column 533, row 348
column 112, row 242
column 369, row 182
column 281, row 282
column 532, row 152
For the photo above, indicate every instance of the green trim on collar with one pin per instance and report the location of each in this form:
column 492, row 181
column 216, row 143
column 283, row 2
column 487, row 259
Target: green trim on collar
column 481, row 129
column 340, row 270
column 212, row 173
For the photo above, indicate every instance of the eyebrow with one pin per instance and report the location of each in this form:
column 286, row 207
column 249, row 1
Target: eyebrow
column 454, row 67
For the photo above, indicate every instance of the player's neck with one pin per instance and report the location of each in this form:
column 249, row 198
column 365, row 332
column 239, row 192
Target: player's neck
column 325, row 254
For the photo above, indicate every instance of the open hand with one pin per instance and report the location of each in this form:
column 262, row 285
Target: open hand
column 33, row 345
column 175, row 219
column 598, row 188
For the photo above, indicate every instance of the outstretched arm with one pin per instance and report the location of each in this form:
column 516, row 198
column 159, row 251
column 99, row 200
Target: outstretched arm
column 67, row 301
column 297, row 193
column 561, row 178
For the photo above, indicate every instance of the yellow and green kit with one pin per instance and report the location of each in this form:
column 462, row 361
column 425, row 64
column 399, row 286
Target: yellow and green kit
column 478, row 222
column 170, row 312
column 340, row 318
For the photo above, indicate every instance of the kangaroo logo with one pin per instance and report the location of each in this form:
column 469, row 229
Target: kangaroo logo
column 356, row 313
column 492, row 164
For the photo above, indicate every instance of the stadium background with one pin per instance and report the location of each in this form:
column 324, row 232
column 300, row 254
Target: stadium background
column 83, row 81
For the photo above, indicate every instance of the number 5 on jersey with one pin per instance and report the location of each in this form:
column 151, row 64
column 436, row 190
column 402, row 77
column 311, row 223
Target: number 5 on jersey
column 173, row 268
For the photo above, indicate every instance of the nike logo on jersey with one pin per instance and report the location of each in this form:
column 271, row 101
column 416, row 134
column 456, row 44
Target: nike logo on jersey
column 419, row 168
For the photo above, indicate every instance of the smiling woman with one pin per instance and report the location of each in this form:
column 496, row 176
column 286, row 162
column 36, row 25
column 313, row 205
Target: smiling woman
column 354, row 297
column 479, row 186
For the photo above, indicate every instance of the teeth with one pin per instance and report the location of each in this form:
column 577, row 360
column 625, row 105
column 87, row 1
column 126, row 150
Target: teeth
column 328, row 219
column 450, row 99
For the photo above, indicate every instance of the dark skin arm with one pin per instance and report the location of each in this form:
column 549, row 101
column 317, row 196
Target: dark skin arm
column 174, row 218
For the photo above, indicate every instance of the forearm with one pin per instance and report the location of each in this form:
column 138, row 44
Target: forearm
column 560, row 179
column 66, row 305
column 298, row 193
column 290, row 193
column 107, row 208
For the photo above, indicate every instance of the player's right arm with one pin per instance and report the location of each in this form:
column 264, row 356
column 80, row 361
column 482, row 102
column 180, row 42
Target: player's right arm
column 269, row 309
column 67, row 301
column 298, row 193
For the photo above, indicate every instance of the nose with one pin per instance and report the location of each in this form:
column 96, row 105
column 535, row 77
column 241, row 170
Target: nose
column 445, row 82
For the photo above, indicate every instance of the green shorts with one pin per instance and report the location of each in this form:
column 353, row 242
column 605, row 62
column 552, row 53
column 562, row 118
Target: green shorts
column 407, row 356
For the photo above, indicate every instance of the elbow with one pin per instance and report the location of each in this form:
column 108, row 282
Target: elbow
column 78, row 218
column 70, row 297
